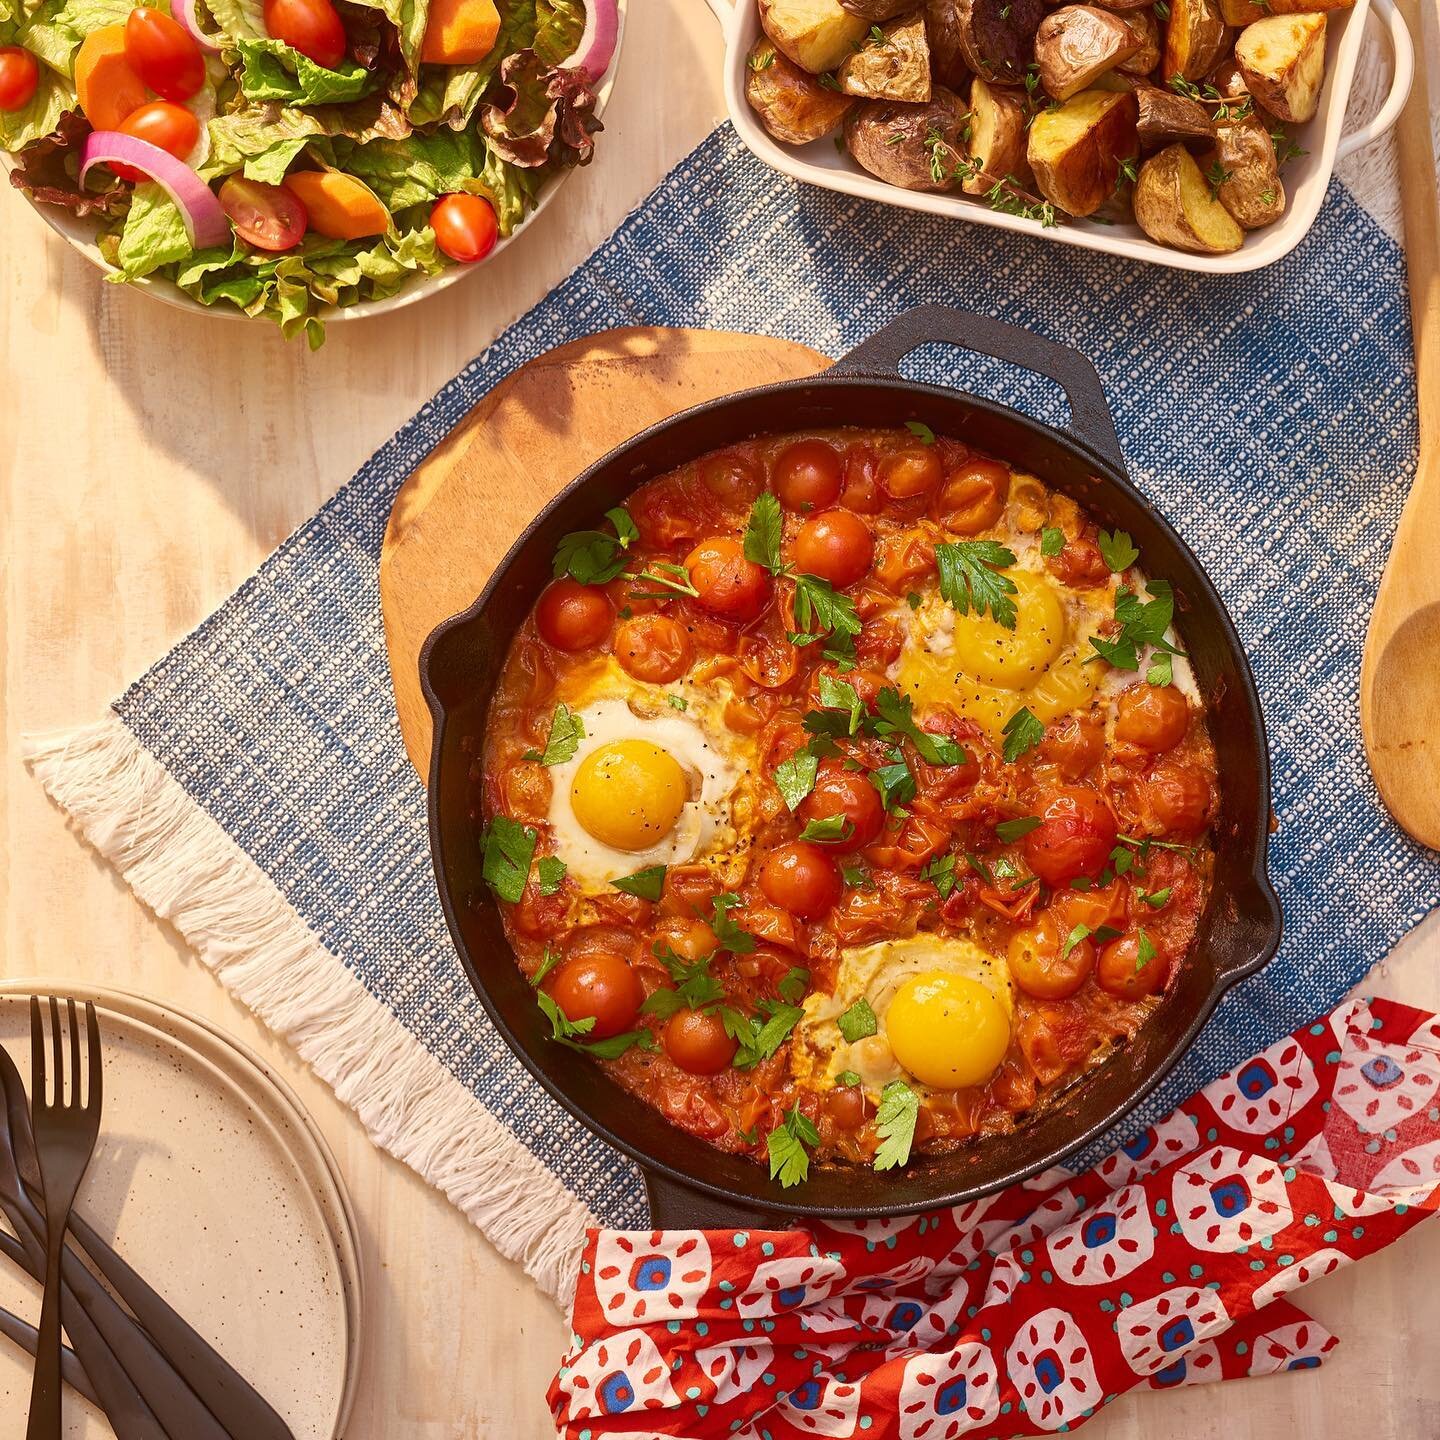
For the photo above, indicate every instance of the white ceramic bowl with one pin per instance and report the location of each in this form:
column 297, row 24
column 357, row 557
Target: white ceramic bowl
column 81, row 235
column 1306, row 178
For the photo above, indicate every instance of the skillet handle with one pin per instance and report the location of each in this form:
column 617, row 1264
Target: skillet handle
column 1090, row 418
column 674, row 1206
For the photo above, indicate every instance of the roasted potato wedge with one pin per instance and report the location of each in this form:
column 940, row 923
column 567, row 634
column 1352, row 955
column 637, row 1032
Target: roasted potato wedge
column 876, row 12
column 997, row 137
column 1077, row 43
column 1175, row 206
column 1076, row 150
column 1195, row 37
column 1248, row 173
column 942, row 28
column 815, row 34
column 1166, row 117
column 1227, row 79
column 997, row 37
column 1282, row 60
column 1247, row 12
column 896, row 67
column 918, row 147
column 791, row 103
column 1147, row 57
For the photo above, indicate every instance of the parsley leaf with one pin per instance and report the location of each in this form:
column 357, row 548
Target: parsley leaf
column 795, row 777
column 695, row 986
column 856, row 877
column 561, row 1025
column 1161, row 671
column 895, row 783
column 727, row 932
column 671, row 580
column 591, row 556
column 895, row 716
column 914, row 600
column 970, row 576
column 1142, row 623
column 858, row 1021
column 1022, row 732
column 646, row 883
column 820, row 611
column 762, row 533
column 841, row 695
column 941, row 870
column 921, row 431
column 847, row 1077
column 678, row 702
column 566, row 1031
column 1052, row 541
column 508, row 850
column 793, row 984
column 895, row 1124
column 759, row 1038
column 1157, row 899
column 550, row 874
column 1118, row 550
column 789, row 1161
column 1144, row 952
column 832, row 827
column 548, row 962
column 1012, row 830
column 567, row 730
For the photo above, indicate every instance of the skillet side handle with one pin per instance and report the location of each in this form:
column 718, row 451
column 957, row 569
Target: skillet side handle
column 1090, row 418
column 674, row 1206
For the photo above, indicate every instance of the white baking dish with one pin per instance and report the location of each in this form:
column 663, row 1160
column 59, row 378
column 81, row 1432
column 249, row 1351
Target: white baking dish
column 1306, row 178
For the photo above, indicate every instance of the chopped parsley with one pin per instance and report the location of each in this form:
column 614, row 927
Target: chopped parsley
column 821, row 611
column 567, row 730
column 842, row 695
column 727, row 932
column 669, row 578
column 1142, row 624
column 678, row 702
column 894, row 714
column 858, row 1021
column 831, row 828
column 695, row 986
column 1157, row 899
column 941, row 872
column 593, row 557
column 793, row 984
column 856, row 877
column 914, row 600
column 789, row 1160
column 970, row 578
column 762, row 533
column 1052, row 541
column 921, row 431
column 1161, row 670
column 548, row 961
column 1022, row 732
column 758, row 1037
column 1010, row 831
column 847, row 1077
column 895, row 1124
column 1145, row 952
column 795, row 777
column 508, row 849
column 550, row 874
column 646, row 883
column 1084, row 932
column 1118, row 550
column 894, row 782
column 571, row 1033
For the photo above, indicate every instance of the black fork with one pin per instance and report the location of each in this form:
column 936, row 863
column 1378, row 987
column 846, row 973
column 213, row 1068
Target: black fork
column 65, row 1134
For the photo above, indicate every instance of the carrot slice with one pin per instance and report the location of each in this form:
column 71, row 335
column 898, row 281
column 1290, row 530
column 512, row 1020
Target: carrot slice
column 340, row 206
column 460, row 32
column 107, row 87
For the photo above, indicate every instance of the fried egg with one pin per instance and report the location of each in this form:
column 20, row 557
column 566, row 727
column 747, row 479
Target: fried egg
column 942, row 1007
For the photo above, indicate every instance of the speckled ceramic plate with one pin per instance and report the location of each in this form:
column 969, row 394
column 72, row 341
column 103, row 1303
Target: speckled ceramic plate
column 217, row 1187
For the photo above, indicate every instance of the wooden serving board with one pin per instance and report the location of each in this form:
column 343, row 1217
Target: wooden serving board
column 458, row 514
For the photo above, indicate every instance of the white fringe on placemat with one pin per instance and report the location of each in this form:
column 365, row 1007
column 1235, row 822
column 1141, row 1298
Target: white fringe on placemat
column 182, row 865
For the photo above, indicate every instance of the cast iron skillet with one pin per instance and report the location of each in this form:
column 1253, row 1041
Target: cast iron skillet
column 690, row 1183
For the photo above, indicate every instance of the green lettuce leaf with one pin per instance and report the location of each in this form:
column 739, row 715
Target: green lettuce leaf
column 409, row 18
column 57, row 27
column 559, row 25
column 239, row 19
column 154, row 234
column 271, row 70
column 452, row 92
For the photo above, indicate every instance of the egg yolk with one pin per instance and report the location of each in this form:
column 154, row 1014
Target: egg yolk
column 948, row 1031
column 629, row 794
column 1013, row 659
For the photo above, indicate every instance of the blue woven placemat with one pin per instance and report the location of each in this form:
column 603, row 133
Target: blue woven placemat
column 1272, row 416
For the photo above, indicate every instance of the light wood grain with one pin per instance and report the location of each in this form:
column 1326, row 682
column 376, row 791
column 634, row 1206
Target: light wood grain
column 455, row 518
column 1400, row 681
column 148, row 461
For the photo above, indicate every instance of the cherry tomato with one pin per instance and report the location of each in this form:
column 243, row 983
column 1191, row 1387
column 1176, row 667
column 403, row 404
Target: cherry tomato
column 1075, row 836
column 1154, row 717
column 973, row 497
column 653, row 648
column 465, row 227
column 691, row 940
column 728, row 583
column 270, row 217
column 172, row 127
column 1121, row 973
column 572, row 616
column 733, row 479
column 696, row 1041
column 912, row 471
column 603, row 986
column 19, row 75
column 850, row 795
column 1074, row 745
column 807, row 475
column 310, row 26
column 835, row 545
column 162, row 52
column 1041, row 963
column 801, row 878
column 1179, row 798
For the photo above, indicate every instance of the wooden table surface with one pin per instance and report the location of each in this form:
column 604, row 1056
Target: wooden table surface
column 148, row 462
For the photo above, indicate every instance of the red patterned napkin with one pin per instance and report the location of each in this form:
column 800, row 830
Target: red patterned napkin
column 1025, row 1312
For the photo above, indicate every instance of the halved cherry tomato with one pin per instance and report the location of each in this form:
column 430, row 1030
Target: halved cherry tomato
column 807, row 475
column 1154, row 717
column 691, row 940
column 732, row 478
column 465, row 227
column 1044, row 962
column 1178, row 797
column 835, row 545
column 973, row 497
column 848, row 795
column 911, row 471
column 572, row 616
column 603, row 986
column 269, row 217
column 172, row 127
column 728, row 583
column 163, row 54
column 801, row 878
column 696, row 1041
column 310, row 26
column 1075, row 836
column 653, row 648
column 19, row 75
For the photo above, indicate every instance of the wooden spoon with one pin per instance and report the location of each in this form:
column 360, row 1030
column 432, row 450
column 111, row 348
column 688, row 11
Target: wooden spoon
column 1400, row 675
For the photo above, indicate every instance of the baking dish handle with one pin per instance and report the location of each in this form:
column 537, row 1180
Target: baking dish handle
column 1090, row 418
column 1404, row 74
column 675, row 1206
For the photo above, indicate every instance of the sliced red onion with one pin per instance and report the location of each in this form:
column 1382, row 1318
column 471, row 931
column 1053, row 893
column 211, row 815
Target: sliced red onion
column 597, row 44
column 184, row 12
column 205, row 221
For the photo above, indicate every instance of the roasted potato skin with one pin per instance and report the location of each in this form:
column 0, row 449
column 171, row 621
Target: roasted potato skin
column 792, row 104
column 1286, row 84
column 997, row 37
column 911, row 160
column 1245, row 154
column 1166, row 117
column 942, row 29
column 1147, row 29
column 1172, row 200
column 997, row 137
column 1247, row 12
column 897, row 68
column 876, row 12
column 816, row 35
column 1195, row 38
column 1076, row 150
column 1077, row 43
